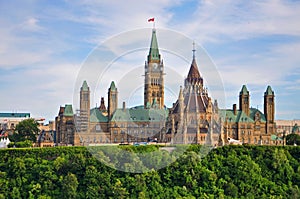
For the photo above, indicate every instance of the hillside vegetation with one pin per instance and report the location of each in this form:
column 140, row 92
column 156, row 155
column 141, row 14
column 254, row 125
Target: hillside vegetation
column 226, row 172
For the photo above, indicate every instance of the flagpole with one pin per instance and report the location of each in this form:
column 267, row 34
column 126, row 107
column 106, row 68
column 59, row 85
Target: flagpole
column 152, row 20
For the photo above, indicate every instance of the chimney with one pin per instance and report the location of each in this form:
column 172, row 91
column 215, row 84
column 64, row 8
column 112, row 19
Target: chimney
column 234, row 109
column 124, row 106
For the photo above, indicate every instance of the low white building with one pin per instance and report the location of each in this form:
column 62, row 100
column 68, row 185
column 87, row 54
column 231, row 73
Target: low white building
column 8, row 121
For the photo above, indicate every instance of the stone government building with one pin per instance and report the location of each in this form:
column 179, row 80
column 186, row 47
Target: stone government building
column 194, row 118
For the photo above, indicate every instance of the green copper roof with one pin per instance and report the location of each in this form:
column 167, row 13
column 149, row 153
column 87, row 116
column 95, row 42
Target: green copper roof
column 68, row 110
column 141, row 115
column 85, row 86
column 153, row 52
column 269, row 91
column 27, row 115
column 244, row 90
column 275, row 137
column 112, row 86
column 241, row 115
column 97, row 116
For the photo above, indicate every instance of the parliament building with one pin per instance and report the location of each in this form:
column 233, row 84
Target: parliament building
column 194, row 118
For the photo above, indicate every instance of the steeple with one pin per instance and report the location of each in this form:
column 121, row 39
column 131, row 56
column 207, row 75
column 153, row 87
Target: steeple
column 154, row 76
column 269, row 91
column 112, row 99
column 85, row 106
column 269, row 105
column 244, row 90
column 112, row 86
column 244, row 99
column 194, row 77
column 84, row 86
column 153, row 52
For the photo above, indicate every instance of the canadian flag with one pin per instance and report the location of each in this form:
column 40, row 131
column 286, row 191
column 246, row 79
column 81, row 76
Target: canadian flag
column 151, row 19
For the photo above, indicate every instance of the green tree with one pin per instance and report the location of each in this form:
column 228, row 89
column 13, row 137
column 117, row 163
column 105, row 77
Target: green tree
column 118, row 190
column 15, row 194
column 292, row 139
column 69, row 186
column 26, row 130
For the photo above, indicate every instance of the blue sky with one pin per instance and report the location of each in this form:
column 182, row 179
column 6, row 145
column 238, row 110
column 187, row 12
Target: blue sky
column 44, row 45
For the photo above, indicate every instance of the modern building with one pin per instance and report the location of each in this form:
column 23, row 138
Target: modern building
column 9, row 121
column 194, row 118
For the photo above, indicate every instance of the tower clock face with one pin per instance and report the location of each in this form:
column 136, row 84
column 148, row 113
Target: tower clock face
column 155, row 65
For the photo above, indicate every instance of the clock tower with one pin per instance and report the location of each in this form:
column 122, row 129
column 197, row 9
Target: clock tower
column 154, row 77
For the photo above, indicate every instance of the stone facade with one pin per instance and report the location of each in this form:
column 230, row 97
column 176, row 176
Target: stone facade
column 250, row 125
column 65, row 127
column 193, row 118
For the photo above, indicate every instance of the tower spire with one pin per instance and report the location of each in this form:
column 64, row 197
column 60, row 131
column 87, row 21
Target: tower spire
column 153, row 52
column 194, row 50
column 154, row 76
column 194, row 76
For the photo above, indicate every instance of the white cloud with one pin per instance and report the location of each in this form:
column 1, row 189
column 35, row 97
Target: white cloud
column 31, row 24
column 236, row 19
column 40, row 40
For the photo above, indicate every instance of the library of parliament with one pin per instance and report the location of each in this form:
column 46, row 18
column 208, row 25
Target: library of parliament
column 194, row 118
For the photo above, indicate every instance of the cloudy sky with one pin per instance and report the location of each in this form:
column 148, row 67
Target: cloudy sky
column 46, row 44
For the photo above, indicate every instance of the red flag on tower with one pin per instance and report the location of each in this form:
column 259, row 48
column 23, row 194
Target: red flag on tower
column 151, row 19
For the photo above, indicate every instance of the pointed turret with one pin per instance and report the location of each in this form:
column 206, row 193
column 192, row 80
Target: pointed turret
column 269, row 91
column 112, row 86
column 180, row 96
column 194, row 77
column 85, row 86
column 269, row 105
column 244, row 100
column 84, row 107
column 112, row 99
column 244, row 90
column 153, row 52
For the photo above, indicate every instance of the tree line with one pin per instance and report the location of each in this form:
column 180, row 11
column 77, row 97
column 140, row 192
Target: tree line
column 78, row 172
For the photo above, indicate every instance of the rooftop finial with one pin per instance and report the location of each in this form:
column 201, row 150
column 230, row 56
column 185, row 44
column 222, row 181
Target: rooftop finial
column 194, row 50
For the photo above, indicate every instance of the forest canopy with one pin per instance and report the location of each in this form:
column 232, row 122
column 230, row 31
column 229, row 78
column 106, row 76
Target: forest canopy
column 226, row 172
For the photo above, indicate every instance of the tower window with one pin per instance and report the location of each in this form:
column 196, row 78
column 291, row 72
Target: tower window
column 86, row 97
